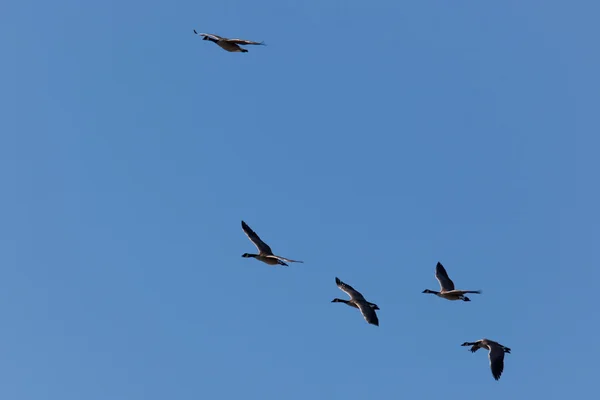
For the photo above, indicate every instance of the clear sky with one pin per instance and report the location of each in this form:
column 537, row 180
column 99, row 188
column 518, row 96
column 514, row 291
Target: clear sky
column 369, row 139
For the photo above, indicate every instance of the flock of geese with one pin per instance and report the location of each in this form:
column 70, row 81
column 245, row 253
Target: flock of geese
column 367, row 309
column 357, row 300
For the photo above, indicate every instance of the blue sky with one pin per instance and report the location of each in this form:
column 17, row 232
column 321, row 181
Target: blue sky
column 370, row 140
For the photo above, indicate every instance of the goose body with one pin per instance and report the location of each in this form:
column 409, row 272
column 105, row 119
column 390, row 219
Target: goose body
column 357, row 300
column 495, row 354
column 447, row 290
column 265, row 254
column 231, row 45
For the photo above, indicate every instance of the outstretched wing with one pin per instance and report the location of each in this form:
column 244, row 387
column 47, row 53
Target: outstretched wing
column 349, row 290
column 442, row 276
column 287, row 259
column 262, row 247
column 209, row 35
column 244, row 42
column 277, row 259
column 496, row 356
column 368, row 313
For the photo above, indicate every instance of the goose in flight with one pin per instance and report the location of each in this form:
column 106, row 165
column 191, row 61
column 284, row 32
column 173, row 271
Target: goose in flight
column 228, row 44
column 357, row 300
column 265, row 254
column 447, row 286
column 496, row 354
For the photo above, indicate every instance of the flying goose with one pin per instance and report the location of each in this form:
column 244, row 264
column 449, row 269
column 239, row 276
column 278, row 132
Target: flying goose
column 228, row 44
column 357, row 300
column 265, row 254
column 447, row 286
column 496, row 354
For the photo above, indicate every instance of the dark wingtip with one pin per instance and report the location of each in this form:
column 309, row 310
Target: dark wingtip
column 195, row 32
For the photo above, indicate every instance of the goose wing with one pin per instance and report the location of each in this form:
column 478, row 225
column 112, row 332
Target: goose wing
column 262, row 247
column 368, row 313
column 350, row 291
column 287, row 259
column 475, row 345
column 442, row 276
column 243, row 41
column 496, row 356
column 209, row 35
